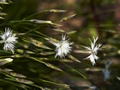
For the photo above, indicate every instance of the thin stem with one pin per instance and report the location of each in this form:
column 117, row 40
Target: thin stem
column 35, row 14
column 80, row 73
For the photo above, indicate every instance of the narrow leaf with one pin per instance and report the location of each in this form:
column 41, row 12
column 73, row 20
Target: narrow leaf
column 2, row 14
column 56, row 10
column 44, row 22
column 74, row 59
column 45, row 63
column 3, row 2
column 1, row 17
column 66, row 18
column 38, row 44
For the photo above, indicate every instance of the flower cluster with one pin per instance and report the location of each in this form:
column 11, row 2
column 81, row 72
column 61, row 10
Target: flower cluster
column 63, row 47
column 9, row 39
column 93, row 49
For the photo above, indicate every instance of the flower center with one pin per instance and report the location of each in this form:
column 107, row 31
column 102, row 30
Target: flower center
column 93, row 52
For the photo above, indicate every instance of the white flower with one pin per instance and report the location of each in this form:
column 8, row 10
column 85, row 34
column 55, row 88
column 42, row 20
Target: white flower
column 63, row 47
column 93, row 49
column 9, row 39
column 106, row 71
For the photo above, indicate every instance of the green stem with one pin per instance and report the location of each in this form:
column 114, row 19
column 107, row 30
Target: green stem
column 35, row 14
column 19, row 21
column 80, row 73
column 54, row 83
